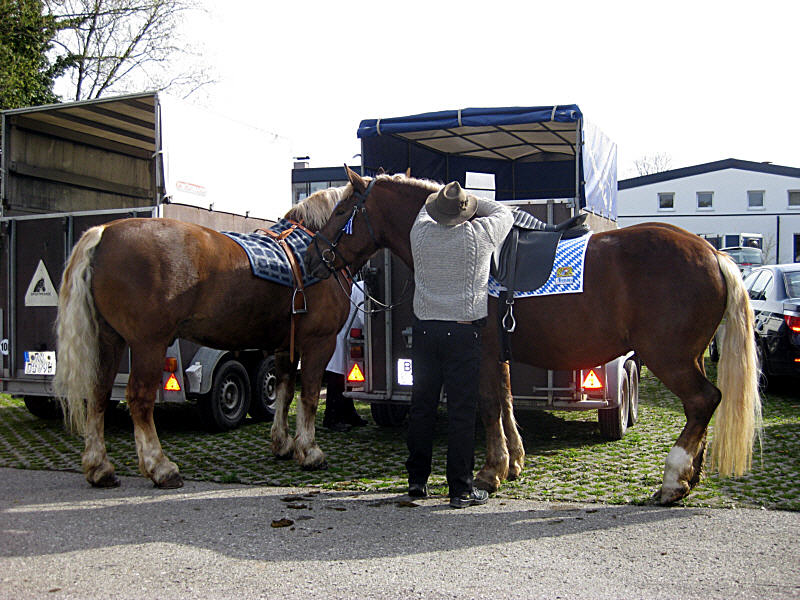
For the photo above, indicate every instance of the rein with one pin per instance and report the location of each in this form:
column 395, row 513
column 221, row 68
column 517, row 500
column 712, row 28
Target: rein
column 328, row 256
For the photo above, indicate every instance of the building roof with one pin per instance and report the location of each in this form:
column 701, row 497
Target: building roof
column 719, row 165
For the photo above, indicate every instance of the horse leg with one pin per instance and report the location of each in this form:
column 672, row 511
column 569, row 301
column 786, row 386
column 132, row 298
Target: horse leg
column 494, row 389
column 97, row 468
column 308, row 454
column 146, row 368
column 685, row 461
column 285, row 373
column 516, row 449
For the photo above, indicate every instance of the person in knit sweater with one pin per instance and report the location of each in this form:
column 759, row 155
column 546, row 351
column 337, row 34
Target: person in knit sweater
column 452, row 241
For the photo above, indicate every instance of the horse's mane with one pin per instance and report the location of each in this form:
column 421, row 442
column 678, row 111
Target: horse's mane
column 313, row 212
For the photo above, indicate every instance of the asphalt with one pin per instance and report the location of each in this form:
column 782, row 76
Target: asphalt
column 59, row 538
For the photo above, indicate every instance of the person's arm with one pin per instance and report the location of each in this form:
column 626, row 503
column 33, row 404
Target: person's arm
column 495, row 218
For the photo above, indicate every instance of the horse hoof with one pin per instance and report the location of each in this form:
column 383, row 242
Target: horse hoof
column 170, row 483
column 109, row 480
column 670, row 497
column 482, row 484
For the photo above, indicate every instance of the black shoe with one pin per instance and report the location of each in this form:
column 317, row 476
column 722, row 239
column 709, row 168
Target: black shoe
column 475, row 497
column 355, row 420
column 417, row 490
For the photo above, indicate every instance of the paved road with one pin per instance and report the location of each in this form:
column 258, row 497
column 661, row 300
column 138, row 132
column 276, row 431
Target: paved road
column 61, row 539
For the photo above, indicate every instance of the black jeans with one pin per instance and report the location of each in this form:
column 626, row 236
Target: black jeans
column 444, row 353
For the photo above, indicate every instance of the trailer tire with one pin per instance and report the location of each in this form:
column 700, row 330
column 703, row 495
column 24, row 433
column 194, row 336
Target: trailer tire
column 262, row 404
column 614, row 421
column 387, row 414
column 43, row 407
column 632, row 370
column 226, row 405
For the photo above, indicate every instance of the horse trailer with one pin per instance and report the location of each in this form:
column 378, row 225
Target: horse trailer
column 559, row 166
column 71, row 166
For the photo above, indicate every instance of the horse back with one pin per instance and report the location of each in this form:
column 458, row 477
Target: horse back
column 645, row 286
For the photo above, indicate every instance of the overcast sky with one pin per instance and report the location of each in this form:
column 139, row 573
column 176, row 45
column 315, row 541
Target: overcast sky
column 699, row 81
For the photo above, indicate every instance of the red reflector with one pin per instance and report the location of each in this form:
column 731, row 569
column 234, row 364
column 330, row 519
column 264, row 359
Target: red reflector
column 793, row 322
column 355, row 332
column 592, row 381
column 172, row 384
column 356, row 352
column 355, row 375
column 170, row 364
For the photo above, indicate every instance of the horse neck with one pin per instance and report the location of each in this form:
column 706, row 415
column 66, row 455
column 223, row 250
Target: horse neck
column 402, row 209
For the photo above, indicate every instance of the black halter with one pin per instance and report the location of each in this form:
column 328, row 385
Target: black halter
column 328, row 255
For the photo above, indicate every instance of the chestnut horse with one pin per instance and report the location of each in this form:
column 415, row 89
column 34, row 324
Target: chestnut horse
column 652, row 288
column 146, row 282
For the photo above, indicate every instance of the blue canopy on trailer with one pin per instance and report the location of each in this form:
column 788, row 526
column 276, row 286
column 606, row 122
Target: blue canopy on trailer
column 538, row 152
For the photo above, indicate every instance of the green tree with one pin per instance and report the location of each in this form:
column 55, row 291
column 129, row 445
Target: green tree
column 26, row 72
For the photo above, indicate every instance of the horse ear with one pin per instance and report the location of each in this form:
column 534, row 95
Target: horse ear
column 356, row 180
column 380, row 171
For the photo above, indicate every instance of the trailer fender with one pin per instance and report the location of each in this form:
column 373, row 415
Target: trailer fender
column 615, row 375
column 200, row 373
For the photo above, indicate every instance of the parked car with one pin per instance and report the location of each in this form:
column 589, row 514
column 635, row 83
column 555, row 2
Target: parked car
column 775, row 295
column 746, row 257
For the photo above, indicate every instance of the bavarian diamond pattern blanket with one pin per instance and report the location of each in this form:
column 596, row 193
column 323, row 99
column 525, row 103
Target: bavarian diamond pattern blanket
column 566, row 276
column 267, row 257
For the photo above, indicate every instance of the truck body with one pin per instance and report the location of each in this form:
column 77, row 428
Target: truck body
column 547, row 161
column 68, row 167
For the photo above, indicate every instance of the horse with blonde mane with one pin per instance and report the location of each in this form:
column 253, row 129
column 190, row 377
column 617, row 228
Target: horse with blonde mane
column 146, row 282
column 652, row 288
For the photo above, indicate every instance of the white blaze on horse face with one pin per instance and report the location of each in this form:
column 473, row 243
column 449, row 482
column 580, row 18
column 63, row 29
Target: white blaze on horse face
column 678, row 468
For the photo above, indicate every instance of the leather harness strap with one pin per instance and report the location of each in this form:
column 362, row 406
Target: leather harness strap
column 299, row 305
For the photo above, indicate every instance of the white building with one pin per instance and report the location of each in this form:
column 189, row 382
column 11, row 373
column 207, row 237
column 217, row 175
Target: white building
column 720, row 201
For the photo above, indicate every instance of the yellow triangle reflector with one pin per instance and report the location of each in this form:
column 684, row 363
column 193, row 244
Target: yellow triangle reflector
column 592, row 381
column 172, row 384
column 355, row 374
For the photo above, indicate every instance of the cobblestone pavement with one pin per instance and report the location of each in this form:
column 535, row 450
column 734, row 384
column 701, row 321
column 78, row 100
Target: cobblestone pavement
column 567, row 460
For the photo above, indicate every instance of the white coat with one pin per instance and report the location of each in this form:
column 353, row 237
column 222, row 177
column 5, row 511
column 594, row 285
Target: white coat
column 338, row 362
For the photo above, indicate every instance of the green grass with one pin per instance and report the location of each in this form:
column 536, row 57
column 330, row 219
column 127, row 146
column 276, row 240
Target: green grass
column 566, row 460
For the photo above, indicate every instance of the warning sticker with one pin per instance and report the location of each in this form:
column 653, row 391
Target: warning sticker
column 41, row 291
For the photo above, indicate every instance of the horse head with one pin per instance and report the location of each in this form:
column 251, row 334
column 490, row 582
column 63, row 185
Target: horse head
column 377, row 213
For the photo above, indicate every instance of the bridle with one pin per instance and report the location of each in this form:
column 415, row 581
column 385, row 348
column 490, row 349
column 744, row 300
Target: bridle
column 328, row 254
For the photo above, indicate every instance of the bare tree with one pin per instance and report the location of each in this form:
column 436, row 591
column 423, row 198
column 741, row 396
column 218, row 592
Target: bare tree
column 653, row 163
column 126, row 45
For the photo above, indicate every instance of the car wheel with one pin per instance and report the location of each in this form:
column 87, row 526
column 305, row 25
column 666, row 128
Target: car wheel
column 632, row 371
column 226, row 405
column 614, row 421
column 42, row 407
column 262, row 405
column 387, row 414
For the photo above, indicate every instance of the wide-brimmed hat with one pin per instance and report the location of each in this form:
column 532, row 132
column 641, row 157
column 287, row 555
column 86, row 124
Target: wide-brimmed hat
column 451, row 205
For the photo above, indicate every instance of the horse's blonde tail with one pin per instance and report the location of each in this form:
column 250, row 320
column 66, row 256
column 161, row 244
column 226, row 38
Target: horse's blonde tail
column 77, row 333
column 738, row 417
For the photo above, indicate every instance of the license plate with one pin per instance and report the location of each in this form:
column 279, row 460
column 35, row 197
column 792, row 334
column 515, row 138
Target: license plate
column 404, row 373
column 40, row 363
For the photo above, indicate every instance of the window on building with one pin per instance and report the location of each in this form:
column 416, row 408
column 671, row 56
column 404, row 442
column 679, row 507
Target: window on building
column 755, row 199
column 794, row 198
column 705, row 200
column 666, row 201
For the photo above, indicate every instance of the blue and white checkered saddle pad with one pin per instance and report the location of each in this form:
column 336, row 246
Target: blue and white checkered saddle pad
column 566, row 277
column 268, row 259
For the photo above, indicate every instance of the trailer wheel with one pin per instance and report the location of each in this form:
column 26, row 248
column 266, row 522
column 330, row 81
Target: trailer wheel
column 387, row 414
column 633, row 378
column 43, row 407
column 226, row 405
column 614, row 421
column 262, row 405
